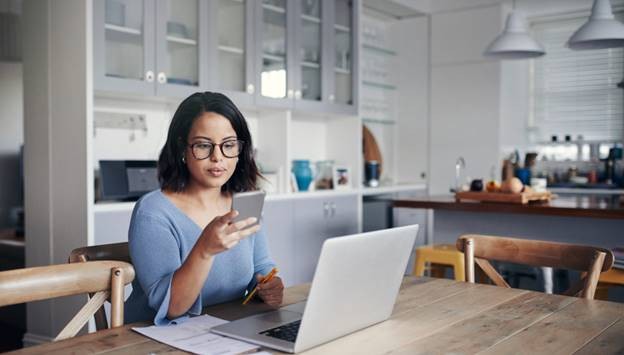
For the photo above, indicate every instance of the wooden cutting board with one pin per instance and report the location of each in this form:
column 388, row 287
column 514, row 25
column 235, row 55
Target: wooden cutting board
column 371, row 149
column 521, row 198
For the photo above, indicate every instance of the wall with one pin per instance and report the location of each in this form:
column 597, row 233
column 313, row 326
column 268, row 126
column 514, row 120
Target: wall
column 411, row 38
column 58, row 115
column 465, row 95
column 11, row 138
column 516, row 76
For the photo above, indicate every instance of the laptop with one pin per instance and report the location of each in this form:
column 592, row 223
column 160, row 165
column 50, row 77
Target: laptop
column 355, row 285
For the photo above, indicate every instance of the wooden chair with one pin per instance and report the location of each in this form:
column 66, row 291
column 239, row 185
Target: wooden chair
column 117, row 251
column 589, row 260
column 103, row 278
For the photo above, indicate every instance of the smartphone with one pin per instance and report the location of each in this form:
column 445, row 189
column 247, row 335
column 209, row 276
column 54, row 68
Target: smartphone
column 248, row 204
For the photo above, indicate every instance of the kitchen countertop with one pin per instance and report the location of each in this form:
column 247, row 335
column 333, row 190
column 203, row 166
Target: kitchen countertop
column 590, row 206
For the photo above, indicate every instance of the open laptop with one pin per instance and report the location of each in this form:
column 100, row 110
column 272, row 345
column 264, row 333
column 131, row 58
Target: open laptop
column 355, row 285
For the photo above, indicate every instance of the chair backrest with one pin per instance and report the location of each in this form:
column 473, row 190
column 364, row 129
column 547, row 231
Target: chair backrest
column 103, row 278
column 116, row 251
column 591, row 261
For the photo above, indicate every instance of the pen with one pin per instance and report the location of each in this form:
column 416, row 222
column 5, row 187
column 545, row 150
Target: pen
column 268, row 277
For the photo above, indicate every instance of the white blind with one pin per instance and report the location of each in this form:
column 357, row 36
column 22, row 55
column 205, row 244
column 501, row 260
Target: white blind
column 575, row 92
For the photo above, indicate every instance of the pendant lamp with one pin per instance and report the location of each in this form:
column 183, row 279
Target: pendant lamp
column 514, row 42
column 601, row 31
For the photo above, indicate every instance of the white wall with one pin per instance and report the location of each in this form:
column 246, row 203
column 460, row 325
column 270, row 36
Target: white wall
column 411, row 38
column 11, row 138
column 58, row 115
column 465, row 95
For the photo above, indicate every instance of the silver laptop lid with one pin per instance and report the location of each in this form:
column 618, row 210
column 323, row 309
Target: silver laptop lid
column 355, row 284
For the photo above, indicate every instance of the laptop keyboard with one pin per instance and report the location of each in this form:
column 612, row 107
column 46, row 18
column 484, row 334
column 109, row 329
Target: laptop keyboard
column 286, row 332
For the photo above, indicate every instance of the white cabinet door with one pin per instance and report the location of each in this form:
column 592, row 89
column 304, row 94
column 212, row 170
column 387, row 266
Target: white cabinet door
column 316, row 220
column 111, row 226
column 278, row 227
column 408, row 216
column 343, row 218
column 309, row 234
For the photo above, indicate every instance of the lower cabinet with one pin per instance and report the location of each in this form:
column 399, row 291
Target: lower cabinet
column 316, row 220
column 408, row 216
column 296, row 230
column 277, row 220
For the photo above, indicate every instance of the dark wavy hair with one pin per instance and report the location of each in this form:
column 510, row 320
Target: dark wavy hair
column 173, row 174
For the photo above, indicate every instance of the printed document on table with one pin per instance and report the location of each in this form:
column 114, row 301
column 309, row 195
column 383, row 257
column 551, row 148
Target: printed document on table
column 194, row 336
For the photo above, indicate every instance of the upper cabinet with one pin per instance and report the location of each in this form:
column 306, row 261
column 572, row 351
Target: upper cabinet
column 343, row 76
column 150, row 47
column 290, row 54
column 181, row 55
column 307, row 55
column 274, row 52
column 231, row 53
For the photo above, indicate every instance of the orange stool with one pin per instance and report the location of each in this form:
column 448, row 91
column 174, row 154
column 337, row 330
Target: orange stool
column 607, row 280
column 440, row 254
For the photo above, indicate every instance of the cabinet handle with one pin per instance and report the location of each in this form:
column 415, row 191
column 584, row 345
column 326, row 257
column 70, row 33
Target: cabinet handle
column 290, row 94
column 149, row 76
column 331, row 98
column 297, row 94
column 325, row 209
column 333, row 209
column 162, row 78
column 250, row 89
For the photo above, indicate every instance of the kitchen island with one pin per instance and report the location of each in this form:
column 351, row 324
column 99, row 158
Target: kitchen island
column 590, row 206
column 583, row 219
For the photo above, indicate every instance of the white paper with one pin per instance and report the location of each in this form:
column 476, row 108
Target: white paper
column 194, row 336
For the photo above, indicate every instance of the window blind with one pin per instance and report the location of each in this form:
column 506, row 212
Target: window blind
column 575, row 92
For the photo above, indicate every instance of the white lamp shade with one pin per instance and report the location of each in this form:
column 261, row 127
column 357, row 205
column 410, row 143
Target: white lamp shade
column 601, row 31
column 514, row 42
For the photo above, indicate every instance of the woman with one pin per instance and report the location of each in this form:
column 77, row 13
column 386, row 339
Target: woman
column 186, row 251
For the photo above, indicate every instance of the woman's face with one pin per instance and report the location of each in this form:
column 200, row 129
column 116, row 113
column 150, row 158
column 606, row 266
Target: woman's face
column 215, row 170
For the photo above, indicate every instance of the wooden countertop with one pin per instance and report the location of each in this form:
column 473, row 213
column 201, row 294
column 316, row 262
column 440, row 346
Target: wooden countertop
column 590, row 206
column 430, row 316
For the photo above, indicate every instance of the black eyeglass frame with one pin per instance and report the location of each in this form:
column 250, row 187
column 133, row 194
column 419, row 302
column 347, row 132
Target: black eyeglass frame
column 241, row 145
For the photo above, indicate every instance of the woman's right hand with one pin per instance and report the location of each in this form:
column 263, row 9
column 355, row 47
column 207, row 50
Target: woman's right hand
column 221, row 234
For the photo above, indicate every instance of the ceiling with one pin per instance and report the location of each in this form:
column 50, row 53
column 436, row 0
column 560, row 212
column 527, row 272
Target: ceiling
column 413, row 8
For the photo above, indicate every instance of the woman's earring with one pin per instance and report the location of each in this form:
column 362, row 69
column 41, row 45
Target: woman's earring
column 183, row 159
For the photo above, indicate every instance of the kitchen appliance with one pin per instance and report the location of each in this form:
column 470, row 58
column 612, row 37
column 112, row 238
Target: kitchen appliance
column 127, row 180
column 371, row 173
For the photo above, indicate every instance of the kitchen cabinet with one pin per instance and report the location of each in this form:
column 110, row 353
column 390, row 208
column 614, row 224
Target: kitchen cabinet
column 408, row 216
column 273, row 53
column 306, row 57
column 150, row 47
column 231, row 54
column 279, row 228
column 315, row 220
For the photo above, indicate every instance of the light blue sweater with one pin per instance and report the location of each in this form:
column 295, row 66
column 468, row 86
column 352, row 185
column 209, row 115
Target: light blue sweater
column 160, row 238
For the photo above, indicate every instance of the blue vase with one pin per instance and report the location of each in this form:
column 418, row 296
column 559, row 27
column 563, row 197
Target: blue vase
column 303, row 174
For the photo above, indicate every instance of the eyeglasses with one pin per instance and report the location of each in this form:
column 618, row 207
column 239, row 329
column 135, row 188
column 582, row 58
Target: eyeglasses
column 229, row 149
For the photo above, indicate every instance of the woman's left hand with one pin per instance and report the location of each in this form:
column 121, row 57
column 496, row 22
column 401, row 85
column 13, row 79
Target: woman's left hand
column 271, row 292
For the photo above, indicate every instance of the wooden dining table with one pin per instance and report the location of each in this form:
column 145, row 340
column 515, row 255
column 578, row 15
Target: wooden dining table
column 431, row 316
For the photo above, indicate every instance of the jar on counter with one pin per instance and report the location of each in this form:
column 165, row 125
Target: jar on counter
column 324, row 170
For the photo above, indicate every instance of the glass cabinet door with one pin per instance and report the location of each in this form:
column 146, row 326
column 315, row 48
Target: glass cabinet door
column 310, row 51
column 231, row 47
column 123, row 40
column 344, row 43
column 179, row 38
column 273, row 75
